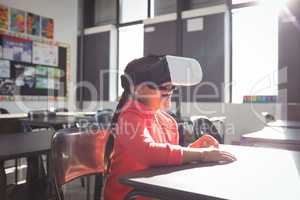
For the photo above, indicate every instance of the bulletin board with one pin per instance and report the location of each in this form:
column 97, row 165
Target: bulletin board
column 32, row 65
column 30, row 69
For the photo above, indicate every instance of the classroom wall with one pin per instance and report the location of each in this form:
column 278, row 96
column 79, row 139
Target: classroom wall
column 64, row 13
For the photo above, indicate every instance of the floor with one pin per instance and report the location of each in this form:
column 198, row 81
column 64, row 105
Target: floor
column 75, row 191
column 72, row 191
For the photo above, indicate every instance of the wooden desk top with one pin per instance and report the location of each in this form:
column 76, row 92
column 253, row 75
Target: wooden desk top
column 259, row 174
column 24, row 144
column 275, row 135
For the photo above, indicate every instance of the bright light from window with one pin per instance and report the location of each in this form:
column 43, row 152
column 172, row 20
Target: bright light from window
column 131, row 46
column 279, row 3
column 255, row 52
column 241, row 1
column 133, row 10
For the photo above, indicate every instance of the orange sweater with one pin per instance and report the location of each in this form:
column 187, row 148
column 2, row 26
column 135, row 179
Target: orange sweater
column 143, row 139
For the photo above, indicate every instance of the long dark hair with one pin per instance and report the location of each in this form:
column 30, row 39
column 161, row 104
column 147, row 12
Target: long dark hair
column 136, row 65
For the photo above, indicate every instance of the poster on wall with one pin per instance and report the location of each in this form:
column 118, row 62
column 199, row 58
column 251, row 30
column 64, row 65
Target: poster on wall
column 45, row 54
column 41, row 83
column 47, row 27
column 4, row 69
column 33, row 24
column 54, row 73
column 41, row 71
column 17, row 21
column 3, row 18
column 1, row 48
column 7, row 86
column 17, row 49
column 53, row 84
column 6, row 82
column 25, row 76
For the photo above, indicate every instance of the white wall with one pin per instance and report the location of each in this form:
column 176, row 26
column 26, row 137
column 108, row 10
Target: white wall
column 64, row 13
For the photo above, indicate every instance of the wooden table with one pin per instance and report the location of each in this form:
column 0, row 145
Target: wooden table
column 276, row 137
column 258, row 174
column 13, row 146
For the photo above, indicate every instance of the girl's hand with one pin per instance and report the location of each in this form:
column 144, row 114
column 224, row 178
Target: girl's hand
column 216, row 155
column 206, row 155
column 204, row 142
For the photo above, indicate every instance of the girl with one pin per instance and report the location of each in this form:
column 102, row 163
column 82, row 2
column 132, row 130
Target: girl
column 144, row 135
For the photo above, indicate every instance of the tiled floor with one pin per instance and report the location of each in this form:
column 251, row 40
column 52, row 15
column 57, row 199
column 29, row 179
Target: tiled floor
column 74, row 190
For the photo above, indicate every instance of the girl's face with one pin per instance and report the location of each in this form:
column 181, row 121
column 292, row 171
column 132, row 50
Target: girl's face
column 155, row 97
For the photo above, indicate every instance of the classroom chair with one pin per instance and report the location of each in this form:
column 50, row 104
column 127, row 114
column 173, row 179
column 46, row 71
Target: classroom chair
column 204, row 125
column 3, row 111
column 76, row 154
column 61, row 110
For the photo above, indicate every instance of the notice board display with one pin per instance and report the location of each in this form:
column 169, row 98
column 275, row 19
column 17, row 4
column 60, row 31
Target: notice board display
column 17, row 49
column 30, row 69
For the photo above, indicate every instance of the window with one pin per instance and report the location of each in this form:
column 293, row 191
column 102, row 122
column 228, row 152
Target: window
column 105, row 12
column 131, row 46
column 162, row 7
column 242, row 1
column 133, row 10
column 255, row 51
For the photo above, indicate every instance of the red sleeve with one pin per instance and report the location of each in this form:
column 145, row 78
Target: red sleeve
column 135, row 137
column 174, row 127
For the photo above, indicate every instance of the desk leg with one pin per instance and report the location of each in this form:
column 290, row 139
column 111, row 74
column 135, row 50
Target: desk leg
column 49, row 176
column 2, row 181
column 98, row 186
column 88, row 180
column 36, row 179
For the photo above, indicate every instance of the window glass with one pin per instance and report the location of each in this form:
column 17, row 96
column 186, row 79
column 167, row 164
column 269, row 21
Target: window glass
column 131, row 46
column 255, row 52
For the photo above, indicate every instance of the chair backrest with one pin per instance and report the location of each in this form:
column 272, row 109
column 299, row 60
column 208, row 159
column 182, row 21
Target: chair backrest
column 61, row 110
column 268, row 117
column 104, row 117
column 76, row 154
column 3, row 111
column 41, row 114
column 205, row 126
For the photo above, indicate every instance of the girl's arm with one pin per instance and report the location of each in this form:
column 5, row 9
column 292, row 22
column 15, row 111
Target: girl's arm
column 135, row 137
column 206, row 155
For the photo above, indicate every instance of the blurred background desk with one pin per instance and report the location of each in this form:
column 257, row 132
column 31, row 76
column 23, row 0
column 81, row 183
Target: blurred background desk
column 285, row 124
column 56, row 122
column 275, row 137
column 19, row 145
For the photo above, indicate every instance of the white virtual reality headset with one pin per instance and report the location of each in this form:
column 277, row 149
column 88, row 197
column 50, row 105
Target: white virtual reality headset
column 180, row 71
